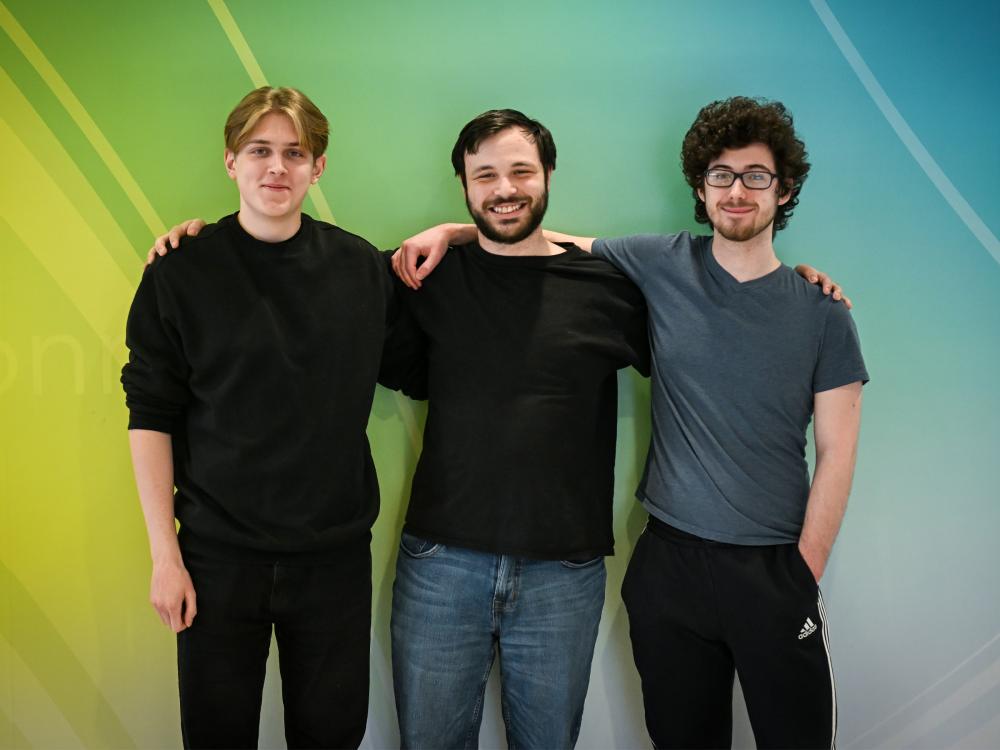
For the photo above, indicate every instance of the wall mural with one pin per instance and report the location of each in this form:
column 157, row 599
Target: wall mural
column 111, row 124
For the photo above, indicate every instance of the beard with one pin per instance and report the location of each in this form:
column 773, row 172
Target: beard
column 513, row 234
column 741, row 232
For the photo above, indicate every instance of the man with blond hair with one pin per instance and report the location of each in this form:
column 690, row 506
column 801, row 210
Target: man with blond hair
column 252, row 367
column 509, row 519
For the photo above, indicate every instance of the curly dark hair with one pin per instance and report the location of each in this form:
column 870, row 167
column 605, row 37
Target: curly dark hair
column 738, row 122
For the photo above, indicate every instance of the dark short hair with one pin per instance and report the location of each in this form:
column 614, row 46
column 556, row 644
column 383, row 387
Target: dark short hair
column 738, row 122
column 488, row 124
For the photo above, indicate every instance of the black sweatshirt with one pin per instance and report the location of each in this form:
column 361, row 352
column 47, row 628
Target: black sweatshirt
column 519, row 444
column 260, row 359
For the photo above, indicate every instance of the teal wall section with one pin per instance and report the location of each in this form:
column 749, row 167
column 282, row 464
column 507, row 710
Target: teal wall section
column 110, row 128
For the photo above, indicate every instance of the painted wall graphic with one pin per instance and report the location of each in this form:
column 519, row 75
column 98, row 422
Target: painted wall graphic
column 111, row 118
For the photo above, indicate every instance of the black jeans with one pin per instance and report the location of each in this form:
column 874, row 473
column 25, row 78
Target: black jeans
column 321, row 615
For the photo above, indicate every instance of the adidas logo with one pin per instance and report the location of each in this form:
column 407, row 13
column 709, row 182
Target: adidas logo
column 808, row 629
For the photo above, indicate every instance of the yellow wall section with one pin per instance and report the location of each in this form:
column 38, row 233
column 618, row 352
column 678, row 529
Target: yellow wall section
column 69, row 248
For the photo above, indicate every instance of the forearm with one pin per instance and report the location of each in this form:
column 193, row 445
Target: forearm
column 584, row 243
column 827, row 504
column 153, row 464
column 460, row 234
column 836, row 424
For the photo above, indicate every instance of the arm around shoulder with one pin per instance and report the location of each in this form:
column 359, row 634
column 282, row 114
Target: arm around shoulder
column 636, row 255
column 431, row 245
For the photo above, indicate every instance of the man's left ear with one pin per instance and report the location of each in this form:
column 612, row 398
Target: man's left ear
column 783, row 199
column 318, row 166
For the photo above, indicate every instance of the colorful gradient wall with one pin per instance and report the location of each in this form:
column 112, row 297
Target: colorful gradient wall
column 110, row 129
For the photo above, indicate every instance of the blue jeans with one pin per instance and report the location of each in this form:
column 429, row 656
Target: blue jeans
column 454, row 608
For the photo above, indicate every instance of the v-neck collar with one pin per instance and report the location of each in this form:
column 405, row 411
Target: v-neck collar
column 729, row 282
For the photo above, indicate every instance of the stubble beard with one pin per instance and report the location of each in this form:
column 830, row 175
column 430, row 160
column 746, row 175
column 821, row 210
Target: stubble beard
column 736, row 233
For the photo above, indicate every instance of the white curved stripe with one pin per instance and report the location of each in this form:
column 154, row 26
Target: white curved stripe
column 937, row 176
column 82, row 118
column 945, row 721
column 33, row 712
column 925, row 691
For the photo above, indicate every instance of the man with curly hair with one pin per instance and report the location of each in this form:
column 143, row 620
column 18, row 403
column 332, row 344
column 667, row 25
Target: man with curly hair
column 745, row 353
column 726, row 577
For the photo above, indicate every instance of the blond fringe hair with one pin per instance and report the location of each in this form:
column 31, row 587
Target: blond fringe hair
column 310, row 124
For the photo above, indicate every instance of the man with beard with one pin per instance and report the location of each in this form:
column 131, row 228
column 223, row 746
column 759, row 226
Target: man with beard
column 745, row 352
column 510, row 514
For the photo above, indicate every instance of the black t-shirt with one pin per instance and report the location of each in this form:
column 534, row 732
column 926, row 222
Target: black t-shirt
column 519, row 444
column 260, row 360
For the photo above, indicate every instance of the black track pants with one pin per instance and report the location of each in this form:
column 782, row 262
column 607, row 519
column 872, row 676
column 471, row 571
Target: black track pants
column 700, row 611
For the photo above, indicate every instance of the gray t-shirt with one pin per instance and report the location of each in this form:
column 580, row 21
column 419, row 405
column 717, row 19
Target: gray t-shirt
column 735, row 366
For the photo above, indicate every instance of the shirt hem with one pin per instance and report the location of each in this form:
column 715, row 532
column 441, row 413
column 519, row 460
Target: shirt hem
column 495, row 548
column 214, row 549
column 715, row 536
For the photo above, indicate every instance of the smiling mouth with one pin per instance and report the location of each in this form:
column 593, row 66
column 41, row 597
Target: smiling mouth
column 503, row 209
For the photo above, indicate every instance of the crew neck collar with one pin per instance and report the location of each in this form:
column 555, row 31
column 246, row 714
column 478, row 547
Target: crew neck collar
column 282, row 246
column 521, row 260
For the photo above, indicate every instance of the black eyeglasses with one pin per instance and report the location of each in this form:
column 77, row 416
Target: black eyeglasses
column 755, row 179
